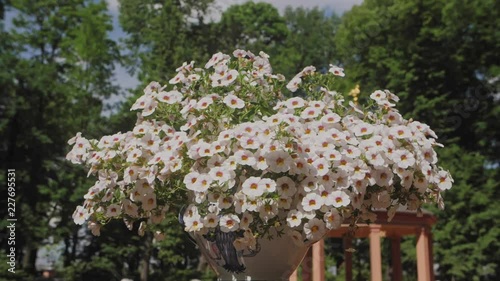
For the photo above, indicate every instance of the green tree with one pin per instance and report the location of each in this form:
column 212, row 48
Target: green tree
column 310, row 41
column 250, row 26
column 161, row 35
column 56, row 64
column 441, row 58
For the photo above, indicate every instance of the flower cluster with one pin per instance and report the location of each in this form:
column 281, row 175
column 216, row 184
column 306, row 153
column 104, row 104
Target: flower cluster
column 225, row 142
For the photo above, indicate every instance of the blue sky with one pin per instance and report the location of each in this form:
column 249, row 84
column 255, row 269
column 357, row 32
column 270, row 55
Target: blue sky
column 337, row 6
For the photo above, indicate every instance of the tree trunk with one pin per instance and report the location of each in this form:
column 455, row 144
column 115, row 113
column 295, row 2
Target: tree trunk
column 144, row 263
column 29, row 259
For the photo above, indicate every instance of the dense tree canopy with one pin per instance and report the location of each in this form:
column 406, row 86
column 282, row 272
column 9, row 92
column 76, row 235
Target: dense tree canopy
column 440, row 58
column 56, row 68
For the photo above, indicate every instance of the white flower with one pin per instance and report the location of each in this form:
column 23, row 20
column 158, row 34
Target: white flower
column 225, row 202
column 244, row 157
column 332, row 219
column 284, row 202
column 204, row 103
column 293, row 85
column 351, row 152
column 279, row 161
column 312, row 201
column 141, row 102
column 192, row 181
column 220, row 174
column 336, row 70
column 429, row 154
column 214, row 60
column 286, row 186
column 233, row 101
column 294, row 218
column 375, row 158
column 363, row 129
column 171, row 97
column 378, row 96
column 193, row 224
column 148, row 202
column 295, row 102
column 229, row 78
column 178, row 78
column 112, row 210
column 443, row 180
column 211, row 220
column 421, row 184
column 239, row 53
column 383, row 177
column 269, row 184
column 249, row 142
column 330, row 118
column 129, row 208
column 310, row 112
column 400, row 132
column 261, row 163
column 403, row 158
column 149, row 107
column 80, row 215
column 322, row 166
column 253, row 187
column 268, row 209
column 229, row 223
column 339, row 198
column 314, row 229
column 251, row 204
column 246, row 220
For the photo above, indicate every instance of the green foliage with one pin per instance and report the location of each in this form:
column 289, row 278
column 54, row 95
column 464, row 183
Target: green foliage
column 250, row 26
column 310, row 41
column 56, row 66
column 467, row 234
column 440, row 58
column 161, row 35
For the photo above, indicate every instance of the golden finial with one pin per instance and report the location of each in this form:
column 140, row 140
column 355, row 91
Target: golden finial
column 355, row 92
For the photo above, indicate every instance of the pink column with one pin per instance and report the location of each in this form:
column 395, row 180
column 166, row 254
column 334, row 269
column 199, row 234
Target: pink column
column 318, row 253
column 431, row 254
column 376, row 254
column 348, row 258
column 397, row 271
column 423, row 255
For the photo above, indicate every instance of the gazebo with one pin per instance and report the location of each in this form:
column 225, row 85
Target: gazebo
column 404, row 223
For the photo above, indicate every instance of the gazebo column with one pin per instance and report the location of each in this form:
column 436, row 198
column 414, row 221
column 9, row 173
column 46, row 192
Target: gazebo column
column 397, row 270
column 348, row 258
column 375, row 253
column 431, row 254
column 424, row 266
column 318, row 263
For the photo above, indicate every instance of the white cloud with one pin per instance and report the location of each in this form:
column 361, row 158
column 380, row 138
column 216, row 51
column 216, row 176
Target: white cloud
column 113, row 6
